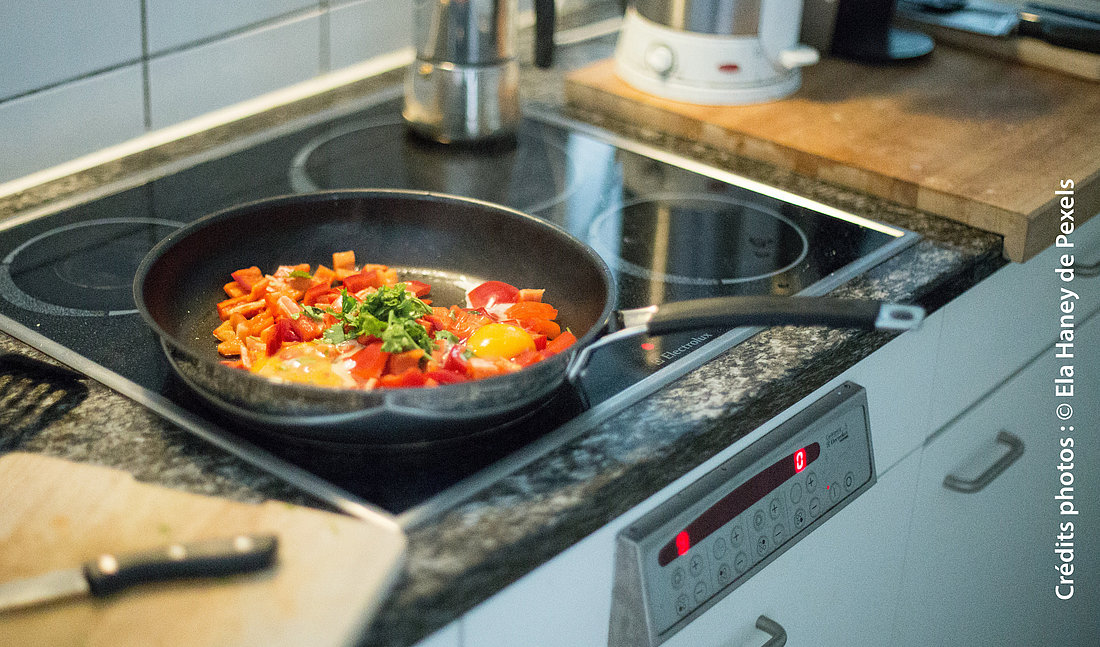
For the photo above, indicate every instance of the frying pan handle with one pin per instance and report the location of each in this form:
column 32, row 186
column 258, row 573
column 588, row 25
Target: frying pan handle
column 733, row 312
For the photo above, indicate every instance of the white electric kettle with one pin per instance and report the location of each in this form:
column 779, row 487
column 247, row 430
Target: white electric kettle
column 720, row 52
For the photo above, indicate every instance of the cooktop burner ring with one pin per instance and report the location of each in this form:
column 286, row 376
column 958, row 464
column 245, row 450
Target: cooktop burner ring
column 302, row 181
column 107, row 284
column 598, row 239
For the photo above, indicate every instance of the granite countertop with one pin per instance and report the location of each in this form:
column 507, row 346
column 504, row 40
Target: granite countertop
column 462, row 555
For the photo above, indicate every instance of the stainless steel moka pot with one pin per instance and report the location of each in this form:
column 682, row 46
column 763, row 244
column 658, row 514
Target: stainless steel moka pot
column 464, row 84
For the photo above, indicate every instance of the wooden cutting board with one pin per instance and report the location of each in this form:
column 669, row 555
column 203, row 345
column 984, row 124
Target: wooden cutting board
column 977, row 139
column 330, row 575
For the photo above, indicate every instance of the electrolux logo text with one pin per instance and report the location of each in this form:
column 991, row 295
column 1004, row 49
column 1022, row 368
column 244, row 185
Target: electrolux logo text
column 691, row 344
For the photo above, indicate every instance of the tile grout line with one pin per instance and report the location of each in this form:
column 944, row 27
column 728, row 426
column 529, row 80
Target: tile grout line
column 325, row 41
column 146, row 89
column 148, row 56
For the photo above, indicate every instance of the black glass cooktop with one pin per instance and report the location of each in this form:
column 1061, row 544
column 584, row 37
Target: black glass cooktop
column 667, row 232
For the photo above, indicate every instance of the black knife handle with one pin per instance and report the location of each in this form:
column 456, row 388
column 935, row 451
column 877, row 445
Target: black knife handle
column 1060, row 29
column 110, row 573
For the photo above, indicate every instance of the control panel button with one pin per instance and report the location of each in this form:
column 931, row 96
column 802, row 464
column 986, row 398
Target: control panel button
column 800, row 518
column 695, row 566
column 677, row 578
column 758, row 520
column 719, row 548
column 683, row 605
column 815, row 506
column 700, row 592
column 796, row 493
column 725, row 573
column 775, row 508
column 736, row 535
column 834, row 491
column 763, row 545
column 741, row 562
column 849, row 480
column 779, row 533
column 811, row 482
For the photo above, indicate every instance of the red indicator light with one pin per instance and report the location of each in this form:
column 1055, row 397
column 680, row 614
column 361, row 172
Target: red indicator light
column 648, row 345
column 800, row 460
column 729, row 67
column 683, row 542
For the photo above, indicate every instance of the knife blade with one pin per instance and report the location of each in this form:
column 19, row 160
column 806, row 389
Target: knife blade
column 109, row 573
column 1064, row 28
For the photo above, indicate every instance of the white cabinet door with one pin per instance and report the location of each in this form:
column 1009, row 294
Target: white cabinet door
column 1003, row 322
column 838, row 586
column 982, row 566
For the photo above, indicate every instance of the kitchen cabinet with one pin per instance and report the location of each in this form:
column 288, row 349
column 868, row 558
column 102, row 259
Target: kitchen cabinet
column 982, row 565
column 1006, row 320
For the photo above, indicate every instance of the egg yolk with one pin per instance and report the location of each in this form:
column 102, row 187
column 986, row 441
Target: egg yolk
column 305, row 364
column 497, row 340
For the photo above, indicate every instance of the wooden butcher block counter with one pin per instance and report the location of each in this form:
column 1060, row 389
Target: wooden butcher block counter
column 977, row 139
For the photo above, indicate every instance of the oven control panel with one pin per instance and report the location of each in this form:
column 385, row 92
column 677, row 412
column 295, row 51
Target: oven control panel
column 682, row 557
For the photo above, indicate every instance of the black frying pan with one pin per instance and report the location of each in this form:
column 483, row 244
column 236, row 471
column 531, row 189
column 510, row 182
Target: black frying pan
column 451, row 243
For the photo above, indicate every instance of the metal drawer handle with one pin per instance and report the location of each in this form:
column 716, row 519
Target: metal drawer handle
column 774, row 629
column 967, row 486
column 1088, row 270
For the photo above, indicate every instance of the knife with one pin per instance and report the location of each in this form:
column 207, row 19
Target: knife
column 1062, row 27
column 111, row 573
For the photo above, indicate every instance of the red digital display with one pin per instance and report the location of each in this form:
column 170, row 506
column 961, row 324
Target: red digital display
column 740, row 499
column 683, row 542
column 800, row 460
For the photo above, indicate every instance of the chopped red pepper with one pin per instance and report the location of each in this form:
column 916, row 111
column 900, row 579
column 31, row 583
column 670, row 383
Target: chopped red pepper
column 264, row 312
column 492, row 292
column 418, row 288
column 369, row 362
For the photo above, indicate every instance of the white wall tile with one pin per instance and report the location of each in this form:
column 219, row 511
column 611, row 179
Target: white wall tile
column 45, row 42
column 367, row 28
column 54, row 126
column 195, row 81
column 172, row 23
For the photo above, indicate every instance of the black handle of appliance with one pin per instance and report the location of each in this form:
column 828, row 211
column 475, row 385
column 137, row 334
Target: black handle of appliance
column 720, row 312
column 1061, row 29
column 544, row 33
column 110, row 573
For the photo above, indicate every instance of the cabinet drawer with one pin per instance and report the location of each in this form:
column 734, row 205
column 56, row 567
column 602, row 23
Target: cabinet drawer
column 1005, row 321
column 981, row 567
